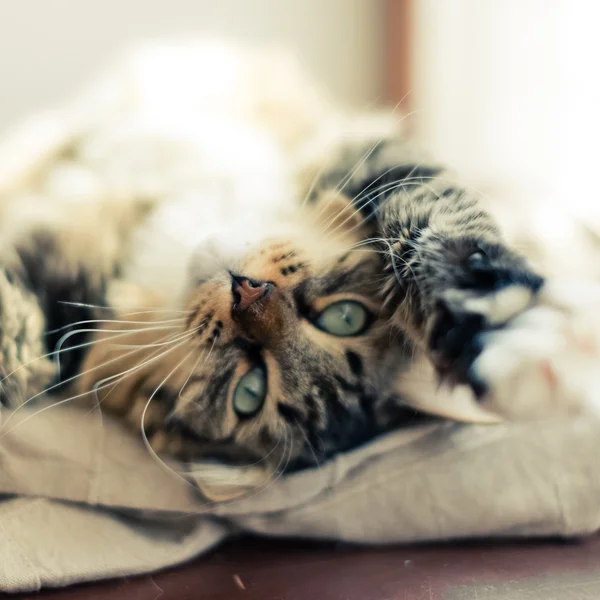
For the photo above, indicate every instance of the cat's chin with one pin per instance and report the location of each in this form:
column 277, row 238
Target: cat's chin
column 218, row 253
column 224, row 248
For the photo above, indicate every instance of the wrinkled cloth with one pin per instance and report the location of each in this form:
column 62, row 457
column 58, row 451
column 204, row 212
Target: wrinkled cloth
column 84, row 500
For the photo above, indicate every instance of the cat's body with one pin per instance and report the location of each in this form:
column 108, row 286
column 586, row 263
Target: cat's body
column 294, row 281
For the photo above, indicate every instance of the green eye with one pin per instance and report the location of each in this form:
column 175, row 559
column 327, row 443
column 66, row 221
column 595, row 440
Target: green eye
column 343, row 318
column 250, row 392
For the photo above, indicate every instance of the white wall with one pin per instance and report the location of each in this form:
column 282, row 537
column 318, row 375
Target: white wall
column 487, row 88
column 508, row 92
column 48, row 47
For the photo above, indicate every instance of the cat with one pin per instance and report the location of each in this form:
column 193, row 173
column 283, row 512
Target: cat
column 249, row 292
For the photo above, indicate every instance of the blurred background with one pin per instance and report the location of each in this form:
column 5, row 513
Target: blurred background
column 504, row 91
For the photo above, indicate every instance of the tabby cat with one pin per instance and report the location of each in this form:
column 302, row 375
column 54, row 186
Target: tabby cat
column 341, row 296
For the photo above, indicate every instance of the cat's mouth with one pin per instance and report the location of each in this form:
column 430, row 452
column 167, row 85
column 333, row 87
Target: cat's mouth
column 260, row 311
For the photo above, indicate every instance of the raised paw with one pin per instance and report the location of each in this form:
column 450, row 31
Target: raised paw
column 546, row 360
column 461, row 319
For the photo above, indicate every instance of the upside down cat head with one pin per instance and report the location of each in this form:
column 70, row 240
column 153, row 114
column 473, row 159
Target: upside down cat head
column 280, row 356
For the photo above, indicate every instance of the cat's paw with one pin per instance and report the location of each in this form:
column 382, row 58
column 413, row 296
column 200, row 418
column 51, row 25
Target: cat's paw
column 457, row 331
column 465, row 286
column 520, row 372
column 545, row 361
column 26, row 369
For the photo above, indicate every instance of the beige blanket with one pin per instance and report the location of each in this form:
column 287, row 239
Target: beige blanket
column 84, row 500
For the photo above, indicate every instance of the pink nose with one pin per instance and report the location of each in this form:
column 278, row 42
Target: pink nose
column 246, row 292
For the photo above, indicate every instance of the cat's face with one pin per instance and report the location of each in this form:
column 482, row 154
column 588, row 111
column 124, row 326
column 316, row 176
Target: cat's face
column 291, row 343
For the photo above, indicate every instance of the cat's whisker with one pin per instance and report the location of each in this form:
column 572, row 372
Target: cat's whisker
column 57, row 353
column 193, row 369
column 119, row 377
column 345, row 180
column 352, row 203
column 324, row 166
column 366, row 246
column 399, row 103
column 266, row 456
column 286, row 456
column 129, row 311
column 158, row 310
column 395, row 187
column 387, row 187
column 360, row 223
column 285, row 459
column 311, row 448
column 95, row 389
column 115, row 322
column 142, row 309
column 58, row 349
column 173, row 338
column 314, row 183
column 53, row 353
column 339, row 188
column 149, row 447
column 409, row 179
column 384, row 189
column 349, row 177
column 70, row 379
column 155, row 345
column 395, row 257
column 460, row 185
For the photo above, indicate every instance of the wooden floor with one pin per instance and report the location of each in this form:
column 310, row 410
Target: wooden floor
column 269, row 570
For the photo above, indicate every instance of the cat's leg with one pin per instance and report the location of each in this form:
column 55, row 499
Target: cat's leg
column 43, row 296
column 53, row 282
column 450, row 275
column 546, row 361
column 24, row 369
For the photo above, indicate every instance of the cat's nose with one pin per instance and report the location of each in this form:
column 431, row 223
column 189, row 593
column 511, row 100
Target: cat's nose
column 247, row 291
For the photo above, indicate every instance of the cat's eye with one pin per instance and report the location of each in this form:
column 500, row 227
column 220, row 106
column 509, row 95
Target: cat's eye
column 250, row 392
column 344, row 319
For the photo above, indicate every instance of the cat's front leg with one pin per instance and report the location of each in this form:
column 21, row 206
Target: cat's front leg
column 546, row 360
column 450, row 276
column 25, row 368
column 452, row 289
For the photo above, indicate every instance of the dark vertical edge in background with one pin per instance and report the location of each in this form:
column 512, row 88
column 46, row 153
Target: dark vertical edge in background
column 398, row 53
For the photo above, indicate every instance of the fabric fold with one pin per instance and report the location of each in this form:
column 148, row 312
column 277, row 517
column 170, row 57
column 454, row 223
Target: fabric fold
column 85, row 502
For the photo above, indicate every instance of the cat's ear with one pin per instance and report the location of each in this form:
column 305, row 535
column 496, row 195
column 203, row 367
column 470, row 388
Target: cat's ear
column 337, row 214
column 223, row 483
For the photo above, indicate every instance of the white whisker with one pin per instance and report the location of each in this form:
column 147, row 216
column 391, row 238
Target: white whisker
column 70, row 379
column 142, row 309
column 143, row 422
column 59, row 349
column 195, row 365
column 113, row 321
